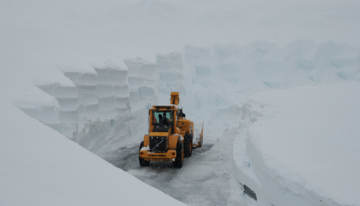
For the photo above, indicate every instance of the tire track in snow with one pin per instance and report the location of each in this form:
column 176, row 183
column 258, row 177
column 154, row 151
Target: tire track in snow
column 205, row 179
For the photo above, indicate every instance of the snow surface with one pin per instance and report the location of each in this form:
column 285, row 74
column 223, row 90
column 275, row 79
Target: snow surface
column 41, row 167
column 216, row 84
column 255, row 48
column 310, row 136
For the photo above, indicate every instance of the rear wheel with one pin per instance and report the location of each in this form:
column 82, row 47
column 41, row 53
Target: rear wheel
column 179, row 155
column 142, row 162
column 188, row 145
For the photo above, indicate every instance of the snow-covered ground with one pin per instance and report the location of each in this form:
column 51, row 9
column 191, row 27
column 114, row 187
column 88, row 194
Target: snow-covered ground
column 231, row 163
column 306, row 143
column 41, row 167
column 109, row 69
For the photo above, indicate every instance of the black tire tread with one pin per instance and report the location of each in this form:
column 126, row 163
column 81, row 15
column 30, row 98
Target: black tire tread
column 142, row 162
column 187, row 143
column 178, row 163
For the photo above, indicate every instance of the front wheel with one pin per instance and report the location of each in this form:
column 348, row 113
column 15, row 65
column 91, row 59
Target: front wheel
column 188, row 145
column 142, row 162
column 179, row 155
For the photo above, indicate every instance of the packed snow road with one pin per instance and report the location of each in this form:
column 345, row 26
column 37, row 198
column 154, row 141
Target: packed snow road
column 205, row 179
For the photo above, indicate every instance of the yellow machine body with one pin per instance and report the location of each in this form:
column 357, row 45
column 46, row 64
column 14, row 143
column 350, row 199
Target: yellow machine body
column 170, row 135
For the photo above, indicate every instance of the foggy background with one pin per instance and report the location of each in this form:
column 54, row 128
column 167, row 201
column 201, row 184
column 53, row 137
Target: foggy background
column 40, row 37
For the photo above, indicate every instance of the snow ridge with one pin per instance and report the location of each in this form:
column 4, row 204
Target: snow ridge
column 101, row 110
column 216, row 83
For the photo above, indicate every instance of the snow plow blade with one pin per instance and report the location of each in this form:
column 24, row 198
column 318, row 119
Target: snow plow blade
column 199, row 139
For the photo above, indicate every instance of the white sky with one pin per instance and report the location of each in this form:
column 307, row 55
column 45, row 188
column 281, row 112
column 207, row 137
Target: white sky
column 39, row 36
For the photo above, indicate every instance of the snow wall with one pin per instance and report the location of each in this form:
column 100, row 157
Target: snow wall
column 215, row 83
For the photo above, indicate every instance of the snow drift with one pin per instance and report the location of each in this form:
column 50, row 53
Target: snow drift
column 216, row 83
column 41, row 167
column 305, row 145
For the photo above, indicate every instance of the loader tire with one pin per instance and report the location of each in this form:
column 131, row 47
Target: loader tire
column 188, row 145
column 178, row 163
column 142, row 162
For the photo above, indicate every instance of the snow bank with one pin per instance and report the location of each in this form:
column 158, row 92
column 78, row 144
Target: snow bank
column 306, row 142
column 41, row 167
column 171, row 75
column 107, row 114
column 143, row 82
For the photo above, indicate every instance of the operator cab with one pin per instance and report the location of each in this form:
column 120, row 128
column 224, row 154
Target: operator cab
column 162, row 120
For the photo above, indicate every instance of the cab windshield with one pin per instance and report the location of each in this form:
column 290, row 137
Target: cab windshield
column 162, row 120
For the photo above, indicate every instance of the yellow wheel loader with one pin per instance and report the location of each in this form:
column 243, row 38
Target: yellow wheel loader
column 170, row 136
